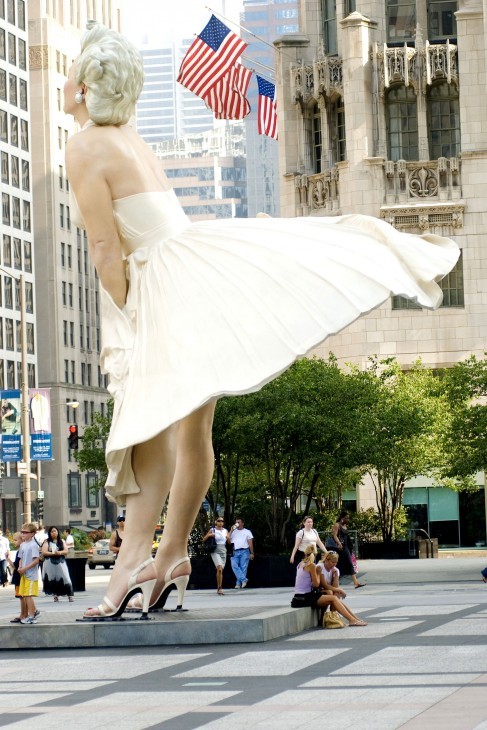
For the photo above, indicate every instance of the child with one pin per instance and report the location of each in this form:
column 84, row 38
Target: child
column 29, row 573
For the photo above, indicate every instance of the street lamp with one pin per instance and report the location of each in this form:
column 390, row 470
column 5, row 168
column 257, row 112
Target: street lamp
column 24, row 390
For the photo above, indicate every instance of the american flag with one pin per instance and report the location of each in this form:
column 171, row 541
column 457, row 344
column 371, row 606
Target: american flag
column 267, row 112
column 228, row 98
column 211, row 55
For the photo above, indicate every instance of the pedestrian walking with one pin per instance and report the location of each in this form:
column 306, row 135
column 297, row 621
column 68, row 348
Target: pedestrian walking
column 243, row 551
column 219, row 554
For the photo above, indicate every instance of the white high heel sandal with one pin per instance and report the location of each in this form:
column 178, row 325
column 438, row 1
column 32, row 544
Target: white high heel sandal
column 180, row 583
column 146, row 587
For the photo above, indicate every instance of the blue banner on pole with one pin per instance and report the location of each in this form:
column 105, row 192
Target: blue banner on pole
column 40, row 424
column 11, row 425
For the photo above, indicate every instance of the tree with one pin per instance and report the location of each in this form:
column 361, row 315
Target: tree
column 91, row 457
column 399, row 432
column 465, row 432
column 294, row 437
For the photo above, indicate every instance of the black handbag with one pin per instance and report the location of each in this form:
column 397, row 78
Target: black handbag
column 210, row 545
column 330, row 544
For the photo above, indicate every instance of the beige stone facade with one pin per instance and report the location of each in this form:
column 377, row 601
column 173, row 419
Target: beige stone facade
column 382, row 112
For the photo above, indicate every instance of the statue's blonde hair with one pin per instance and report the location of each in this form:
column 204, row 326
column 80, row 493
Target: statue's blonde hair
column 112, row 70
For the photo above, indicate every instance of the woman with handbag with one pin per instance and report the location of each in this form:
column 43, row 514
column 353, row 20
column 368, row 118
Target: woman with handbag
column 342, row 542
column 218, row 553
column 55, row 574
column 307, row 590
column 305, row 536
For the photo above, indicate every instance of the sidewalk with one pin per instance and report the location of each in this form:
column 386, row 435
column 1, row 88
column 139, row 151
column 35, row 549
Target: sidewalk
column 420, row 663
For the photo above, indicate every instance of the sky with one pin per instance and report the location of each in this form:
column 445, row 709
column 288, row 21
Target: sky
column 149, row 22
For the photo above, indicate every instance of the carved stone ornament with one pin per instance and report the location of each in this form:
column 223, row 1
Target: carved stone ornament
column 424, row 218
column 38, row 57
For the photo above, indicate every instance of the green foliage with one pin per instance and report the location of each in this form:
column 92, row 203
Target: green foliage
column 97, row 535
column 91, row 457
column 465, row 432
column 294, row 437
column 81, row 539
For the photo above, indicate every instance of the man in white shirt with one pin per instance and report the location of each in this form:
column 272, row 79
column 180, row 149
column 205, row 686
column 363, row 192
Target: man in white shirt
column 243, row 551
column 4, row 554
column 69, row 542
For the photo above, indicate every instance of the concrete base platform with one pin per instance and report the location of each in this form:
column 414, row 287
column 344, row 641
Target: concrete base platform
column 168, row 628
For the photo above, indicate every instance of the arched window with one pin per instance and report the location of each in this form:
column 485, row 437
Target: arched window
column 402, row 124
column 443, row 121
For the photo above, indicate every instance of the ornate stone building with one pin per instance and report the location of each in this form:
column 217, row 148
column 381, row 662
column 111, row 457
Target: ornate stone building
column 382, row 111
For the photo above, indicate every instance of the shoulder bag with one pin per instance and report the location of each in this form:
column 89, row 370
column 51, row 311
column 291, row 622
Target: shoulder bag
column 333, row 620
column 210, row 544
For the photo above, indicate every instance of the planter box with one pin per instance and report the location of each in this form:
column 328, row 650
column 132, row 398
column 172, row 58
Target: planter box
column 386, row 550
column 265, row 571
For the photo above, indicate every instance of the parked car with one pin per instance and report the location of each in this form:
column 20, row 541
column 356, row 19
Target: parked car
column 100, row 554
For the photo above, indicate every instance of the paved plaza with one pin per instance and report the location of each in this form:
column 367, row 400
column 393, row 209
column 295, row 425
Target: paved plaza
column 420, row 663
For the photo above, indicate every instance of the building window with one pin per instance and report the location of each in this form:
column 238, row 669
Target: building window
column 329, row 10
column 402, row 124
column 70, row 290
column 18, row 253
column 5, row 173
column 3, row 123
column 23, row 94
column 70, row 258
column 29, row 297
column 401, row 20
column 28, row 256
column 73, row 371
column 14, row 167
column 444, row 121
column 31, row 375
column 81, row 340
column 74, row 490
column 30, row 338
column 11, row 11
column 88, row 373
column 92, row 491
column 61, row 215
column 317, row 139
column 452, row 286
column 64, row 290
column 442, row 23
column 7, row 287
column 336, row 124
column 12, row 89
column 65, row 333
column 15, row 212
column 71, row 334
column 21, row 14
column 1, row 338
column 63, row 254
column 7, row 251
column 3, row 55
column 25, row 176
column 10, row 374
column 66, row 371
column 24, row 135
column 6, row 209
column 2, row 386
column 3, row 82
column 26, row 215
column 12, row 50
column 9, row 334
column 22, row 55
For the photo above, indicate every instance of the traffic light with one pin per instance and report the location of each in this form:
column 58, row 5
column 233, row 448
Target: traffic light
column 40, row 509
column 73, row 436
